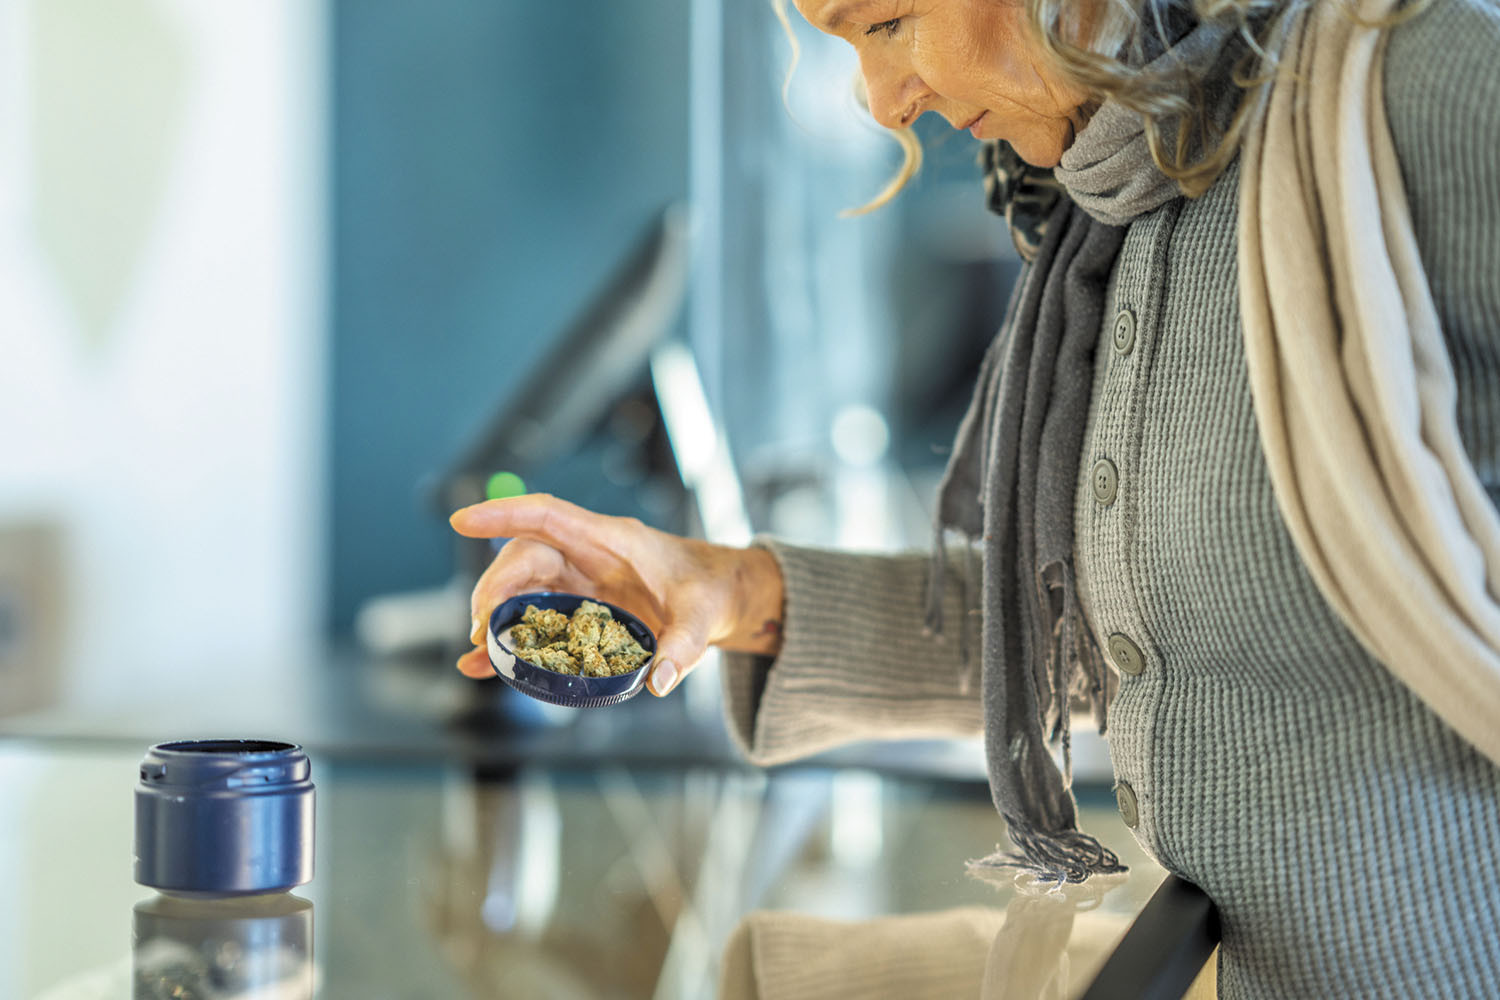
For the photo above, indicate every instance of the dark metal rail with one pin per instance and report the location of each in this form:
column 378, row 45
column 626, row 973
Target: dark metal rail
column 1164, row 949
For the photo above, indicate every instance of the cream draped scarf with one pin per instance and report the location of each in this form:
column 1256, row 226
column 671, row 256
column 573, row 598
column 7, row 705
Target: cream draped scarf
column 1352, row 386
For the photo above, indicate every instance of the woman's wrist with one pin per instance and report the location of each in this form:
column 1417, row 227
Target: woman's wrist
column 758, row 599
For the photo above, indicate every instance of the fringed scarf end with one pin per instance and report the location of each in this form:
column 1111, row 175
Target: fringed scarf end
column 1073, row 664
column 1064, row 856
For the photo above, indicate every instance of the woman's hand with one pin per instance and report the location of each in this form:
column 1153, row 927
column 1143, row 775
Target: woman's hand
column 691, row 593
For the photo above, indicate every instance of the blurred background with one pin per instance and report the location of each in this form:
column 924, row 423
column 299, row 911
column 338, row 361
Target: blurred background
column 283, row 282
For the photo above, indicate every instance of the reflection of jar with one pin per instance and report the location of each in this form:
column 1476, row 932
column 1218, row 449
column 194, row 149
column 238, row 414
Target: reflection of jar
column 224, row 829
column 242, row 947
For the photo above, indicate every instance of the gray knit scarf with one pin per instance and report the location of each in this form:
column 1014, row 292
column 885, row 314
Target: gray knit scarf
column 1011, row 477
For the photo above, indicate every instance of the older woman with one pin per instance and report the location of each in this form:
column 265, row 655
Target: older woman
column 1232, row 469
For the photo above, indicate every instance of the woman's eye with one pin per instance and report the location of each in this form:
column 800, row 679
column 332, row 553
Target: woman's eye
column 884, row 27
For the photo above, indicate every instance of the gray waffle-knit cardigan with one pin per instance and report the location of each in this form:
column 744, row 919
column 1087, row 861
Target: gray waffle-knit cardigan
column 1349, row 837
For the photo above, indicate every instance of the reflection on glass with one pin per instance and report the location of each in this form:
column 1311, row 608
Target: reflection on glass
column 1055, row 938
column 1045, row 944
column 622, row 882
column 239, row 948
column 492, row 903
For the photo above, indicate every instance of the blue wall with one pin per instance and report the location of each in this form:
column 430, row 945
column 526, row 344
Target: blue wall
column 491, row 161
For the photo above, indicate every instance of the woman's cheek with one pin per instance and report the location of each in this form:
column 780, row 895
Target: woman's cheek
column 959, row 69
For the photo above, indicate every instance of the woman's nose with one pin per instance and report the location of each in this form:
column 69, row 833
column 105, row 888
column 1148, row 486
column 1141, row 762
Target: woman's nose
column 895, row 93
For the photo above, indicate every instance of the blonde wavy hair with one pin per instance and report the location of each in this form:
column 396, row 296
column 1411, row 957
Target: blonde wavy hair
column 1102, row 47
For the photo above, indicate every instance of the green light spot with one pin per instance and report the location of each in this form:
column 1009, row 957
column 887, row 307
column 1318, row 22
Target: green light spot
column 503, row 485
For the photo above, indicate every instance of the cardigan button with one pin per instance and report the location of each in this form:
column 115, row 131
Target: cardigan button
column 1106, row 481
column 1124, row 331
column 1129, row 809
column 1126, row 654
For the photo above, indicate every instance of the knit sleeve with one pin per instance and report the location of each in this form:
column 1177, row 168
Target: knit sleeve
column 1442, row 97
column 855, row 663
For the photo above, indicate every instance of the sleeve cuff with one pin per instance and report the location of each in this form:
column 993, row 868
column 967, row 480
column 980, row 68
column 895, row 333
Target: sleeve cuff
column 855, row 663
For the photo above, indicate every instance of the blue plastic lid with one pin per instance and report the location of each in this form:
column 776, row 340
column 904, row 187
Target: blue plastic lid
column 228, row 817
column 570, row 690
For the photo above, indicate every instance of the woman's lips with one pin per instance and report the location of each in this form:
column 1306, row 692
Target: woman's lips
column 973, row 126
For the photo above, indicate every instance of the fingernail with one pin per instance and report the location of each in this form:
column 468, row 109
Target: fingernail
column 663, row 677
column 476, row 631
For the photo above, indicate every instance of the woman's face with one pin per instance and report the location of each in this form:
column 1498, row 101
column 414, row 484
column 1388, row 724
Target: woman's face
column 968, row 60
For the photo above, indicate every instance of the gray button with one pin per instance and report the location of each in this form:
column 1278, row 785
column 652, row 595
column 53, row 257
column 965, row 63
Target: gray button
column 1125, row 799
column 1126, row 654
column 1106, row 481
column 1124, row 331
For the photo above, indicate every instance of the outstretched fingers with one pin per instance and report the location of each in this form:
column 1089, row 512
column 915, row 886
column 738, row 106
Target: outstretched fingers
column 534, row 515
column 557, row 545
column 595, row 543
column 497, row 518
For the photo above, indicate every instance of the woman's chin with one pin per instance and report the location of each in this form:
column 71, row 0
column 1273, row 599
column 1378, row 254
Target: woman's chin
column 1039, row 150
column 1046, row 161
column 1043, row 145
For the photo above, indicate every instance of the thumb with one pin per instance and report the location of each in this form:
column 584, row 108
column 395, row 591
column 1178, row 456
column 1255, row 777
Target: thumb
column 678, row 649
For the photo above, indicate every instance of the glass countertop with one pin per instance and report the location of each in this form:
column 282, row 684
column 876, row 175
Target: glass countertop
column 440, row 879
